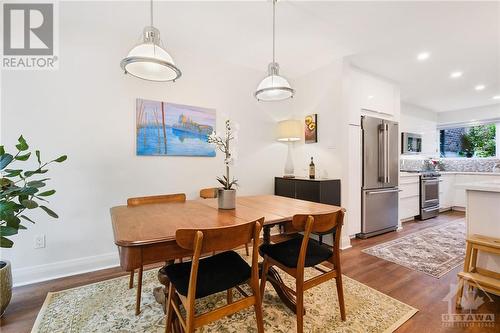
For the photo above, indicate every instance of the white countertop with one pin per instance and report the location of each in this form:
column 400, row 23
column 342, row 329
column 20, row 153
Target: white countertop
column 469, row 173
column 415, row 174
column 487, row 186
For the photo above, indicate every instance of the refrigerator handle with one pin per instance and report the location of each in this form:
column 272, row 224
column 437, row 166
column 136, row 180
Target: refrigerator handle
column 381, row 159
column 387, row 154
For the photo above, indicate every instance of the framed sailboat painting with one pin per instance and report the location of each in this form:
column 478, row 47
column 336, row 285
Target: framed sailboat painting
column 173, row 129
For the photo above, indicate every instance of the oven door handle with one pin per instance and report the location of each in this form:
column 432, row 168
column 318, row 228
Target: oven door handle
column 430, row 209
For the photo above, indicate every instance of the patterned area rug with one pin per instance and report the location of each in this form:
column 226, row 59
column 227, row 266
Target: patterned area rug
column 434, row 251
column 108, row 306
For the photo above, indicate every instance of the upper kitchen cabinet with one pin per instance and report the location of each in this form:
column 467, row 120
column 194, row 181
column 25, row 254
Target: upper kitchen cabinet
column 372, row 95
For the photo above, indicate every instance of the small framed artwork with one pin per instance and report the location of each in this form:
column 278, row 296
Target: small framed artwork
column 311, row 128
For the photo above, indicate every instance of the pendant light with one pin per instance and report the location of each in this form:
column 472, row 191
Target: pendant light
column 274, row 87
column 149, row 60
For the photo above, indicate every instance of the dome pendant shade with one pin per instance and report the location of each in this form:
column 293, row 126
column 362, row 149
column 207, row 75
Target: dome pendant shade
column 274, row 87
column 149, row 61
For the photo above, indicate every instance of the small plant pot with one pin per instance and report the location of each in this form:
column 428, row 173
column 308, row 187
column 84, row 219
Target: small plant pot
column 226, row 198
column 5, row 285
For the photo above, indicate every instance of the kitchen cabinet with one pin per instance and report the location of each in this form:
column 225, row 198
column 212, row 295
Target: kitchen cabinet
column 446, row 191
column 376, row 95
column 371, row 95
column 409, row 197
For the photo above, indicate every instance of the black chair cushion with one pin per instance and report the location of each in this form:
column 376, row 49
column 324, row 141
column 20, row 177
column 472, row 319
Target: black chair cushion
column 215, row 274
column 287, row 252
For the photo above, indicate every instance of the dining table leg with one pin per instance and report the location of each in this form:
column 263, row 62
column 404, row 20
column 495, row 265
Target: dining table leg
column 139, row 291
column 274, row 277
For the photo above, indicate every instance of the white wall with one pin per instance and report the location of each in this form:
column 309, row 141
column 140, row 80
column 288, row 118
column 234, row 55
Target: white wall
column 469, row 115
column 415, row 119
column 86, row 110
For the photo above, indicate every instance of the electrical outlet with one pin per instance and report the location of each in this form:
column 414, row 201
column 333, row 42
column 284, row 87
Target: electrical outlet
column 39, row 241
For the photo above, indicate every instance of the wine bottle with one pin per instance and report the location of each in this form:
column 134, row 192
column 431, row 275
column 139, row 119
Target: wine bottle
column 312, row 169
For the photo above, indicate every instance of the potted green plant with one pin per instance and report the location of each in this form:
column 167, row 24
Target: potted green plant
column 226, row 195
column 21, row 191
column 467, row 145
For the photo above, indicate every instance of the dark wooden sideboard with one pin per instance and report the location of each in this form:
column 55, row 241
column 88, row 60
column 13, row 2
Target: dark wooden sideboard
column 325, row 191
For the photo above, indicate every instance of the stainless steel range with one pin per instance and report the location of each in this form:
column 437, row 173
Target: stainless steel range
column 429, row 194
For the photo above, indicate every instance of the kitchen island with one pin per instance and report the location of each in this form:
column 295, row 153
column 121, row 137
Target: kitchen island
column 483, row 216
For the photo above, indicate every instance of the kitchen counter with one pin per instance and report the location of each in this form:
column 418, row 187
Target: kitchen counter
column 487, row 186
column 470, row 173
column 418, row 173
column 483, row 214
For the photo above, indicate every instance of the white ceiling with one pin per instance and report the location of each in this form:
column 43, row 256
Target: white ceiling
column 381, row 37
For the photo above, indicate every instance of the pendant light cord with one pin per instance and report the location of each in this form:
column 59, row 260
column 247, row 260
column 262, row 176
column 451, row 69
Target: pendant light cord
column 151, row 12
column 274, row 30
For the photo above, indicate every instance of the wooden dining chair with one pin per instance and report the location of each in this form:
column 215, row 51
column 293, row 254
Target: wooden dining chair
column 293, row 255
column 139, row 201
column 210, row 193
column 224, row 271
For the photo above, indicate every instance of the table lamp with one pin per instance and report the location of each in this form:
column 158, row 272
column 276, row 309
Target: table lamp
column 289, row 131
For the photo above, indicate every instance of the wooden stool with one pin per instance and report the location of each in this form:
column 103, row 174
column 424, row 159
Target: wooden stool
column 476, row 276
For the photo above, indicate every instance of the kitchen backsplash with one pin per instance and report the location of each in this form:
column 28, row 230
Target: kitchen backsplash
column 452, row 164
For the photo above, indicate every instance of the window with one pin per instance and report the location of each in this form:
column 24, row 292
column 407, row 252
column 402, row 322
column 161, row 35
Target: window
column 469, row 141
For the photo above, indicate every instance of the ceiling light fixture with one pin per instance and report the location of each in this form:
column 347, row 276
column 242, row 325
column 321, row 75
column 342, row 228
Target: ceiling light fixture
column 480, row 87
column 149, row 60
column 423, row 56
column 456, row 75
column 274, row 87
column 496, row 97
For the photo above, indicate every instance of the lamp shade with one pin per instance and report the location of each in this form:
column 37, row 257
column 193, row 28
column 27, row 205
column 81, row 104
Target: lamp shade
column 149, row 61
column 273, row 88
column 289, row 130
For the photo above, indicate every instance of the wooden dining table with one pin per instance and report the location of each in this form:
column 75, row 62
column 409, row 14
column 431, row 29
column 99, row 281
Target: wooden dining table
column 146, row 234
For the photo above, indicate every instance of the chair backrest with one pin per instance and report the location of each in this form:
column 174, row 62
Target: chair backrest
column 321, row 222
column 207, row 193
column 218, row 239
column 179, row 197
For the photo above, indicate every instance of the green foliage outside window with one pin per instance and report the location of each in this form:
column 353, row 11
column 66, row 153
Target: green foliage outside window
column 482, row 140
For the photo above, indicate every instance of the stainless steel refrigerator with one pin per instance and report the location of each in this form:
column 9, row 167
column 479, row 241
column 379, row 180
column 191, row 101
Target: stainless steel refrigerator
column 380, row 193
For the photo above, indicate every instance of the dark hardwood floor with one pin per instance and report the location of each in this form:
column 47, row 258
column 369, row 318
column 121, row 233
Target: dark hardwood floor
column 417, row 289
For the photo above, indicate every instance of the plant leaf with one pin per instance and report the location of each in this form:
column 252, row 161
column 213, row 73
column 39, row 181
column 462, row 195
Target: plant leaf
column 13, row 221
column 7, row 231
column 30, row 204
column 37, row 153
column 46, row 193
column 22, row 227
column 2, row 150
column 27, row 219
column 5, row 242
column 36, row 183
column 13, row 172
column 61, row 159
column 23, row 157
column 22, row 145
column 49, row 212
column 5, row 160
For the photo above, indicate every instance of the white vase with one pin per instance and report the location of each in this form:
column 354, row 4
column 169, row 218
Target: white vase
column 226, row 198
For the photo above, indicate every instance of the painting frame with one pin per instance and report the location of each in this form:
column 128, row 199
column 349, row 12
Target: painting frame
column 311, row 128
column 171, row 129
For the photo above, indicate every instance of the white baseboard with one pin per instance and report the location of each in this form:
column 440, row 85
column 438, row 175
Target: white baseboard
column 39, row 273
